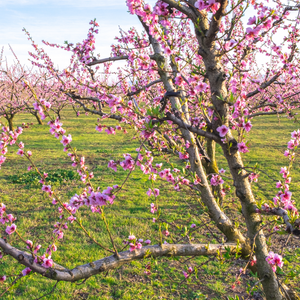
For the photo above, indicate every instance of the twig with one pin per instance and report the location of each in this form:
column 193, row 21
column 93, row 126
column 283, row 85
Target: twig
column 49, row 292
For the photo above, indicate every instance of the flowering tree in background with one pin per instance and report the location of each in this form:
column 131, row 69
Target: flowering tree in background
column 13, row 94
column 191, row 80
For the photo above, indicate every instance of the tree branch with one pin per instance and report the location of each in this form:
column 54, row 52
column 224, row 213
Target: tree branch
column 60, row 273
column 193, row 129
column 108, row 59
column 184, row 9
column 144, row 87
column 115, row 117
column 282, row 213
column 215, row 23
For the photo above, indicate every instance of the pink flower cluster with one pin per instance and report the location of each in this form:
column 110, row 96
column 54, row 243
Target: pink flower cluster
column 135, row 243
column 7, row 218
column 8, row 138
column 41, row 107
column 275, row 260
column 210, row 5
column 216, row 180
column 284, row 196
column 93, row 199
column 155, row 192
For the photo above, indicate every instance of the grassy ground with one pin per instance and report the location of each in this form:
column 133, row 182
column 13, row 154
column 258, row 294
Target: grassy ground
column 130, row 213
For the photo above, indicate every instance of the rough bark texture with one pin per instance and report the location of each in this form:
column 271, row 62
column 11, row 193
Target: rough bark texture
column 212, row 168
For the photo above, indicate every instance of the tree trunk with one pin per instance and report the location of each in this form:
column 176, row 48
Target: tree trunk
column 10, row 122
column 38, row 118
column 218, row 89
column 212, row 168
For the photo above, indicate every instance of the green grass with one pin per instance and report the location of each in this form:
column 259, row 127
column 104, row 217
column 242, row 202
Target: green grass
column 130, row 213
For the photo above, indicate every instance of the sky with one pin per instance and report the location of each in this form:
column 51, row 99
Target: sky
column 57, row 21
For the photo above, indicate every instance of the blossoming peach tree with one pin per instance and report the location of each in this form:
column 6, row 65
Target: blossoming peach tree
column 196, row 77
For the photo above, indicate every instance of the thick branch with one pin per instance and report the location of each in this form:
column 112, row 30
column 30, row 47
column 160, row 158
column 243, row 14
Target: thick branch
column 282, row 213
column 144, row 87
column 112, row 262
column 215, row 23
column 263, row 86
column 182, row 8
column 268, row 113
column 193, row 129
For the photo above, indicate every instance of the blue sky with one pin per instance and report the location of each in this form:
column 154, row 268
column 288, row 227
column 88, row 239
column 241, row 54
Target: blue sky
column 59, row 20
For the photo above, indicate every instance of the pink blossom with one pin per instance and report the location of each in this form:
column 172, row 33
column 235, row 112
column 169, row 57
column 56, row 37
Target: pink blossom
column 11, row 229
column 3, row 278
column 153, row 208
column 222, row 130
column 66, row 140
column 252, row 21
column 166, row 232
column 275, row 260
column 11, row 218
column 131, row 237
column 201, row 5
column 284, row 172
column 247, row 126
column 149, row 193
column 252, row 33
column 253, row 177
column 138, row 245
column 222, row 171
column 213, row 5
column 132, row 247
column 279, row 184
column 110, row 130
column 216, row 180
column 46, row 188
column 296, row 134
column 193, row 226
column 242, row 147
column 183, row 155
column 20, row 152
column 29, row 243
column 2, row 159
column 286, row 196
column 112, row 165
column 37, row 248
column 48, row 262
column 26, row 271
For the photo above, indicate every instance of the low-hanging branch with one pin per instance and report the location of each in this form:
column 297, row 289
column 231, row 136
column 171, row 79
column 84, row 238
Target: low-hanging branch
column 60, row 273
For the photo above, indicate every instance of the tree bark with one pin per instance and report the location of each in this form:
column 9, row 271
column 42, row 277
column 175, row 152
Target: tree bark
column 212, row 168
column 10, row 122
column 61, row 273
column 39, row 120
